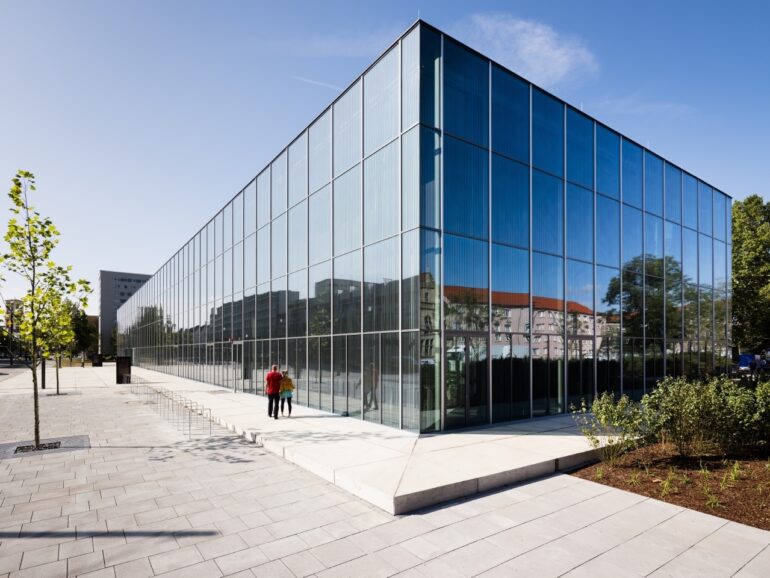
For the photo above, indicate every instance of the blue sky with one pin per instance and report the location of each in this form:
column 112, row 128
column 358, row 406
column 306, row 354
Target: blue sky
column 141, row 118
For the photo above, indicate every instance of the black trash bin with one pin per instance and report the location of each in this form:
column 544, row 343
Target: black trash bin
column 122, row 369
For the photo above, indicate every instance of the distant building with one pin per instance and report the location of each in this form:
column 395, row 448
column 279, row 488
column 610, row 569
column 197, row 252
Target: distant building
column 114, row 290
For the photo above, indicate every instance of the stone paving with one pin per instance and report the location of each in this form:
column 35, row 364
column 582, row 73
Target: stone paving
column 145, row 500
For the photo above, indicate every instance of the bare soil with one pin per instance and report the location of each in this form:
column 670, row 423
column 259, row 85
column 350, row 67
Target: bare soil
column 736, row 488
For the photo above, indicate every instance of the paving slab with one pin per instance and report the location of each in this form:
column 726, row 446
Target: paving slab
column 397, row 471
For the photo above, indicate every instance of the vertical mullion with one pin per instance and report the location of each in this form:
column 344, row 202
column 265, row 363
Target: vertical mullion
column 489, row 244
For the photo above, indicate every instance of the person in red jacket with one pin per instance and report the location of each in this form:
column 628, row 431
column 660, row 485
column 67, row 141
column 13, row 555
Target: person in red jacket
column 273, row 389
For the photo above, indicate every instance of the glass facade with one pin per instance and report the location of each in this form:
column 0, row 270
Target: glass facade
column 446, row 246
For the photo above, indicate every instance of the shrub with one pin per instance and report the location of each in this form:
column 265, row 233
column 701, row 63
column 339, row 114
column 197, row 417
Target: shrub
column 611, row 426
column 678, row 412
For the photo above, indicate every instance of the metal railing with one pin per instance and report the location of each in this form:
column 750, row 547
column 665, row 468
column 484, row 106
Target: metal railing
column 186, row 415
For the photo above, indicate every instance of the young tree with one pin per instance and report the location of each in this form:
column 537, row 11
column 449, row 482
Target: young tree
column 86, row 334
column 31, row 239
column 56, row 331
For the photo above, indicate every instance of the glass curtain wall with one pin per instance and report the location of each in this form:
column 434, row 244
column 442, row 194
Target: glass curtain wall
column 445, row 246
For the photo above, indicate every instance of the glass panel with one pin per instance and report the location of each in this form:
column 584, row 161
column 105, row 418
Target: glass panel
column 278, row 308
column 466, row 196
column 347, row 211
column 347, row 293
column 548, row 334
column 632, row 174
column 381, row 214
column 250, row 208
column 653, row 184
column 580, row 223
column 279, row 184
column 580, row 149
column 608, row 239
column 227, row 221
column 263, row 255
column 297, row 304
column 720, row 221
column 466, row 305
column 381, row 286
column 607, row 329
column 547, row 133
column 580, row 299
column 690, row 201
column 430, row 381
column 430, row 276
column 653, row 240
column 653, row 308
column 227, row 273
column 410, row 179
column 430, row 178
column 390, row 380
column 607, row 162
column 238, row 219
column 410, row 380
column 263, row 198
column 510, row 115
column 410, row 280
column 466, row 96
column 320, row 152
column 237, row 269
column 410, row 78
column 347, row 130
column 340, row 375
column 354, row 375
column 632, row 238
column 381, row 102
column 430, row 79
column 705, row 268
column 325, row 359
column 278, row 246
column 510, row 376
column 319, row 301
column 704, row 208
column 298, row 169
column 218, row 237
column 298, row 236
column 547, row 213
column 673, row 194
column 510, row 290
column 314, row 372
column 510, row 202
column 319, row 222
column 297, row 365
column 371, row 377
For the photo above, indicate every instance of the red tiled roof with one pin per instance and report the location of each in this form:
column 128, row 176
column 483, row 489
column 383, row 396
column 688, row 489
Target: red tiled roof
column 506, row 299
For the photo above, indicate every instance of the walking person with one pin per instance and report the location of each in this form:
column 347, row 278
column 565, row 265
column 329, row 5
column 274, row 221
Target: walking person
column 273, row 388
column 287, row 391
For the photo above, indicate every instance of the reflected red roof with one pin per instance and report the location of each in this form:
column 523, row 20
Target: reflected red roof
column 515, row 300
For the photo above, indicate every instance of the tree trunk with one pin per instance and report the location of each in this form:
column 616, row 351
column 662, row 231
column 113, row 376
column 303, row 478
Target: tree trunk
column 58, row 365
column 42, row 370
column 34, row 396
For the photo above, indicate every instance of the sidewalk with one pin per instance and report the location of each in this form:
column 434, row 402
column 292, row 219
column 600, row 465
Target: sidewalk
column 395, row 470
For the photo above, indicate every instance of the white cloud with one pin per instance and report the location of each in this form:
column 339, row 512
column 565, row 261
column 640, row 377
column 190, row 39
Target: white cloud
column 532, row 49
column 316, row 82
column 636, row 106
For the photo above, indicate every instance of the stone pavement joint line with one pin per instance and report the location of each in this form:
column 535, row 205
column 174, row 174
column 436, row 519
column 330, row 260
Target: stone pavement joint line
column 145, row 500
column 395, row 470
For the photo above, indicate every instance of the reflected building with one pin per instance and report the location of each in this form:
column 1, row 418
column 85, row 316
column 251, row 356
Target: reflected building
column 447, row 245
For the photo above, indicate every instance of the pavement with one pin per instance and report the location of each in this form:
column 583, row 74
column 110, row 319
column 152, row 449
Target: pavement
column 397, row 471
column 146, row 500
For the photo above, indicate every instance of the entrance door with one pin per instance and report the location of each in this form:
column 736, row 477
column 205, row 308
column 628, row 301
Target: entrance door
column 237, row 366
column 465, row 377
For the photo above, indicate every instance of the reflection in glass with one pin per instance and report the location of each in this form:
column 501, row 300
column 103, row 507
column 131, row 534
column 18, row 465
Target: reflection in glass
column 347, row 211
column 410, row 280
column 547, row 334
column 510, row 115
column 238, row 219
column 547, row 133
column 673, row 193
column 430, row 277
column 720, row 215
column 381, row 216
column 705, row 261
column 263, row 198
column 580, row 298
column 510, row 202
column 381, row 284
column 278, row 308
column 319, row 222
column 510, row 290
column 347, row 293
column 410, row 78
column 689, row 201
column 298, row 169
column 297, row 236
column 320, row 152
column 653, row 237
column 705, row 199
column 430, row 79
column 653, row 184
column 249, row 208
column 466, row 305
column 353, row 346
column 607, row 330
column 371, row 377
column 580, row 149
column 390, row 379
column 632, row 237
column 278, row 247
column 278, row 172
column 547, row 213
column 319, row 300
column 608, row 222
column 297, row 304
column 410, row 179
column 466, row 186
column 632, row 174
column 410, row 380
column 580, row 223
column 466, row 94
column 607, row 162
column 347, row 129
column 381, row 95
column 263, row 311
